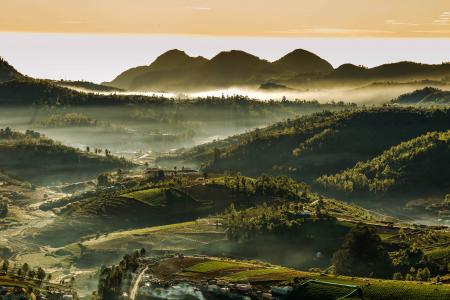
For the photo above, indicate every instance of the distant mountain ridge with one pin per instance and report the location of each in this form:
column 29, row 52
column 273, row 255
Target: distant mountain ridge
column 175, row 71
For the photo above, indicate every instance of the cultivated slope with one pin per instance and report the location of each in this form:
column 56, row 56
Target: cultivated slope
column 323, row 143
column 416, row 165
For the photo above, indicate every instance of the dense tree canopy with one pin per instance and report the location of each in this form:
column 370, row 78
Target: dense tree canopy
column 362, row 254
column 417, row 164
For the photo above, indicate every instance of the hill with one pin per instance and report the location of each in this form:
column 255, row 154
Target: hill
column 175, row 71
column 310, row 146
column 425, row 96
column 400, row 71
column 301, row 61
column 418, row 165
column 7, row 72
column 140, row 201
column 87, row 86
column 168, row 63
column 27, row 91
column 225, row 69
column 41, row 160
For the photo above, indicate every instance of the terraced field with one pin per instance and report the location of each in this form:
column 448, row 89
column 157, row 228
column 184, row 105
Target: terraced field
column 152, row 197
column 307, row 285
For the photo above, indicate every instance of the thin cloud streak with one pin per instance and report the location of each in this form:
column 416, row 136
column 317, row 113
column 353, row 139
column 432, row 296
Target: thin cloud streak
column 199, row 8
column 398, row 22
column 333, row 31
column 443, row 20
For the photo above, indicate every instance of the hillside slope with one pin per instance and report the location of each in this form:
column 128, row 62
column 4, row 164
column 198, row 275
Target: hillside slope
column 323, row 143
column 28, row 91
column 41, row 160
column 422, row 163
column 8, row 72
column 425, row 96
column 401, row 71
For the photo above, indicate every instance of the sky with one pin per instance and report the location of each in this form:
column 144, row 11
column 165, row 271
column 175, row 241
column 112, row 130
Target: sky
column 311, row 18
column 96, row 40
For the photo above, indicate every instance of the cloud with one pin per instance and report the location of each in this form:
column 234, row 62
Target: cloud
column 432, row 31
column 200, row 8
column 332, row 31
column 443, row 20
column 399, row 22
column 73, row 22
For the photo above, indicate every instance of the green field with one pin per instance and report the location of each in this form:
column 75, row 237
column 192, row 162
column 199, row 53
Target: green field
column 152, row 197
column 216, row 265
column 257, row 273
column 265, row 274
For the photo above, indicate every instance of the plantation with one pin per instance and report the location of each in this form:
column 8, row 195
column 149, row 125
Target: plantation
column 322, row 143
column 152, row 197
column 421, row 163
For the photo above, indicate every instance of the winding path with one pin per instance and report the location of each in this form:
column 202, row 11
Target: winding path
column 135, row 287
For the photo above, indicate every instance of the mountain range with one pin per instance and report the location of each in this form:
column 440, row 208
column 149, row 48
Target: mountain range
column 175, row 71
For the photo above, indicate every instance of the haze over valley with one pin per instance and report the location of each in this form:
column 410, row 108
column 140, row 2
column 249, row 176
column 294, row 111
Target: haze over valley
column 147, row 159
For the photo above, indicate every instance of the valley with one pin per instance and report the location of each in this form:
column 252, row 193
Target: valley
column 111, row 191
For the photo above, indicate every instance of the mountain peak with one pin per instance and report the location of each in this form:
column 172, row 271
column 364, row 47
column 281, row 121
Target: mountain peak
column 303, row 61
column 235, row 55
column 175, row 59
column 237, row 58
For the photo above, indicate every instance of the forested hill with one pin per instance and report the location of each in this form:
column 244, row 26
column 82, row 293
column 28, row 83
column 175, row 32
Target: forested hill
column 323, row 143
column 420, row 164
column 86, row 86
column 41, row 160
column 45, row 92
column 7, row 72
column 425, row 96
column 26, row 92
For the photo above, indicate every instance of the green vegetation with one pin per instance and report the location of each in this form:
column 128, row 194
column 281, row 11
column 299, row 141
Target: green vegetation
column 69, row 120
column 425, row 96
column 117, row 279
column 283, row 187
column 8, row 72
column 30, row 153
column 216, row 266
column 88, row 86
column 152, row 197
column 3, row 208
column 268, row 274
column 420, row 164
column 362, row 254
column 322, row 143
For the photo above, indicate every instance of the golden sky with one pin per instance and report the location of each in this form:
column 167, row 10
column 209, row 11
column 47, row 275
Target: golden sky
column 286, row 18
